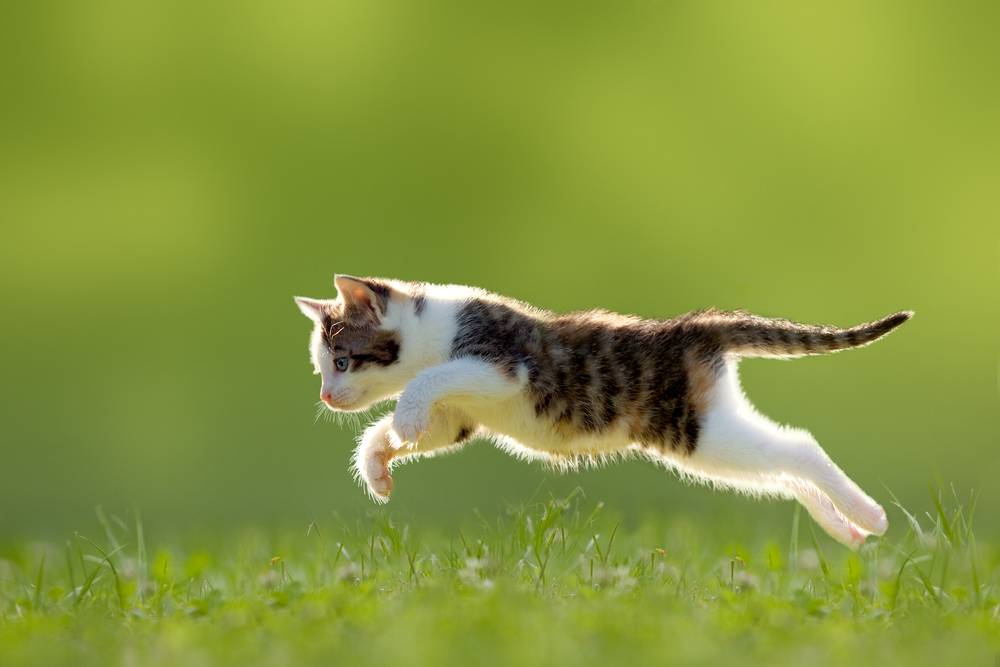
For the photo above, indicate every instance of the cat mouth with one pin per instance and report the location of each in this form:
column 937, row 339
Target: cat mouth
column 343, row 403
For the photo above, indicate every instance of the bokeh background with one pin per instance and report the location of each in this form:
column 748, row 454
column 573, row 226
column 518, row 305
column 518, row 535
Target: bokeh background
column 172, row 173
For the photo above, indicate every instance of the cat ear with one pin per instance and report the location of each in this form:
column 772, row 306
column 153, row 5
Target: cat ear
column 314, row 309
column 362, row 297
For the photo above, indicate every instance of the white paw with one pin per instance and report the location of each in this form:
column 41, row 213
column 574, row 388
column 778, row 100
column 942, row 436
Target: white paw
column 857, row 536
column 375, row 472
column 411, row 424
column 372, row 460
column 381, row 487
column 866, row 513
column 880, row 522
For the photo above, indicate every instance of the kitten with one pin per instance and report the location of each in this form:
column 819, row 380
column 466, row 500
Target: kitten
column 580, row 388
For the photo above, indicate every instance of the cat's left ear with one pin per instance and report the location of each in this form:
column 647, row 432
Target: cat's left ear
column 314, row 309
column 363, row 297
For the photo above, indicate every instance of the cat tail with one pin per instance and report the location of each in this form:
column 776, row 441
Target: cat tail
column 747, row 335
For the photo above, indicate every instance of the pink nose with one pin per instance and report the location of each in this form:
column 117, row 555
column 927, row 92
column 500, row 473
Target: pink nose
column 326, row 398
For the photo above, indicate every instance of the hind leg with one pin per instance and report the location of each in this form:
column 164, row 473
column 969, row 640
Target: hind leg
column 816, row 466
column 739, row 447
column 826, row 514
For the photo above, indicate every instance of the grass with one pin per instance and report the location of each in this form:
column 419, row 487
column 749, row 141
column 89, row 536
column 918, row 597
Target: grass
column 558, row 582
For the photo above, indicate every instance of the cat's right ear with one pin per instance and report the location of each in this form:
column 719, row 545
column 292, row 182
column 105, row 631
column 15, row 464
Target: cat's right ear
column 314, row 309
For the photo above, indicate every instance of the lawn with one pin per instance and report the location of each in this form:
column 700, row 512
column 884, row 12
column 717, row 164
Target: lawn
column 552, row 582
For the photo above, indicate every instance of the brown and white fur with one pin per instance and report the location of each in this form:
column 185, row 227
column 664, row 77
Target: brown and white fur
column 576, row 389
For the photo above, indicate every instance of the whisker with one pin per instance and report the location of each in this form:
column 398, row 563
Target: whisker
column 355, row 420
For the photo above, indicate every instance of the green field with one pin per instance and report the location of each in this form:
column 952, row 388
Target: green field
column 557, row 582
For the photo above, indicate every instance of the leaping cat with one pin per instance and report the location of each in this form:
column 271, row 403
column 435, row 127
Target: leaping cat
column 579, row 388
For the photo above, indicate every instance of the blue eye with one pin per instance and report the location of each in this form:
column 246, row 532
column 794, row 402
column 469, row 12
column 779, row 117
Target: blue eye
column 341, row 363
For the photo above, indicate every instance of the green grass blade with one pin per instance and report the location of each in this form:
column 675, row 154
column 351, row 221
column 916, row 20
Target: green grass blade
column 106, row 556
column 793, row 541
column 39, row 581
column 69, row 568
column 140, row 557
column 942, row 517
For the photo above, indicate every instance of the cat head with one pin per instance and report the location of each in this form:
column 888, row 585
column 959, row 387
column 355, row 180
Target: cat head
column 356, row 342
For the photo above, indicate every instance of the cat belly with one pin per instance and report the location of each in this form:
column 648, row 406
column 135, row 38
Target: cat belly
column 518, row 427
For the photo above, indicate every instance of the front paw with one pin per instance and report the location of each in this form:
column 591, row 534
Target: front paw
column 372, row 460
column 411, row 424
column 378, row 478
column 375, row 472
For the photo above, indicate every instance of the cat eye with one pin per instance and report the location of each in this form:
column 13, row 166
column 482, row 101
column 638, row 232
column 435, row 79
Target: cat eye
column 341, row 363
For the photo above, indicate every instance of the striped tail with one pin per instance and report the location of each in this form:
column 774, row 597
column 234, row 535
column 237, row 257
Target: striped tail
column 751, row 336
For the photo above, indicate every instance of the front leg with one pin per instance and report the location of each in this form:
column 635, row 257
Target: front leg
column 373, row 456
column 465, row 379
column 380, row 448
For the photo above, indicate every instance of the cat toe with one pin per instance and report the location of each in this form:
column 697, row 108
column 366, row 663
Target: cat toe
column 857, row 537
column 881, row 523
column 381, row 488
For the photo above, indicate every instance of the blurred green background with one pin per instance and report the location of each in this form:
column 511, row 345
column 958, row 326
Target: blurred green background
column 172, row 173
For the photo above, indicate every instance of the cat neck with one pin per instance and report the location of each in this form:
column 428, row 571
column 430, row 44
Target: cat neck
column 428, row 326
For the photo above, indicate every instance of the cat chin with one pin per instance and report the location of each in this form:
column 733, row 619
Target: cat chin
column 361, row 404
column 353, row 407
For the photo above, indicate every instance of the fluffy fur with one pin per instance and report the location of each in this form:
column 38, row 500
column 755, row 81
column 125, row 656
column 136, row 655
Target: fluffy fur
column 577, row 389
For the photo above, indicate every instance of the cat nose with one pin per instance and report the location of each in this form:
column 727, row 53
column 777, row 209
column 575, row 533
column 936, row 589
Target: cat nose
column 326, row 397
